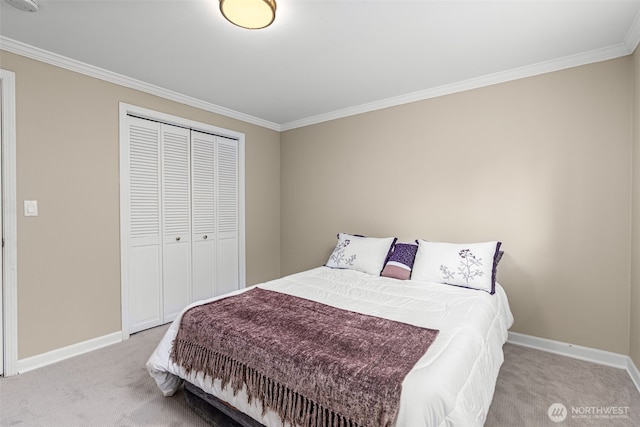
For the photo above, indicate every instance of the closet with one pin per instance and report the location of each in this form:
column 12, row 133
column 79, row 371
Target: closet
column 181, row 242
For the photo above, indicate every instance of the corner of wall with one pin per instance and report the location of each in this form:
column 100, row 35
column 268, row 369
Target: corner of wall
column 634, row 319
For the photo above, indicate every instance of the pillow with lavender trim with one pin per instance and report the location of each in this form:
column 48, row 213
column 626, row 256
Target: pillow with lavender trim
column 469, row 265
column 401, row 261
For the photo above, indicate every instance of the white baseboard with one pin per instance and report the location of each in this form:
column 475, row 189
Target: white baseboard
column 60, row 354
column 570, row 350
column 634, row 372
column 588, row 354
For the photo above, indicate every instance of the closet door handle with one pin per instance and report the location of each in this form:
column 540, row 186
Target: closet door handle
column 178, row 239
column 205, row 237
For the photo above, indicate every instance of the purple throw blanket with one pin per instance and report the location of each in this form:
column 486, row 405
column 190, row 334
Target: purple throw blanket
column 313, row 364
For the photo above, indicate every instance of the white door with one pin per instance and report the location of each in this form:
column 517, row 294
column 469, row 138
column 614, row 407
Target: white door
column 176, row 213
column 144, row 244
column 203, row 214
column 227, row 260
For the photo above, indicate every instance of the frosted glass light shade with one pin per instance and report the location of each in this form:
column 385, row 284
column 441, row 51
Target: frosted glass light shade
column 251, row 14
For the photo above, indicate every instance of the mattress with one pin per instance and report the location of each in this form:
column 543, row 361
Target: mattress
column 452, row 384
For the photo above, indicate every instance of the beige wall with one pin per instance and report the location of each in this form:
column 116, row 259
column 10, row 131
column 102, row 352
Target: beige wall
column 634, row 333
column 542, row 164
column 67, row 160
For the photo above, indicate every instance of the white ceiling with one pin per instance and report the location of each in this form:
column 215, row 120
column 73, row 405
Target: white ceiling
column 320, row 59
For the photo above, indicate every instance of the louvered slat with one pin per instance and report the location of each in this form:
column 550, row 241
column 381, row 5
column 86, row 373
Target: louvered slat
column 144, row 180
column 175, row 166
column 203, row 173
column 227, row 185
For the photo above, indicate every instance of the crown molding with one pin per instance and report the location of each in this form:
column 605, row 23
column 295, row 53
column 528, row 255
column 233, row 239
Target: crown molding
column 633, row 36
column 622, row 49
column 42, row 55
column 571, row 61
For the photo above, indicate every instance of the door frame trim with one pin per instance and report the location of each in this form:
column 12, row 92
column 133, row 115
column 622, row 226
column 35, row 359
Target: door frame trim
column 9, row 214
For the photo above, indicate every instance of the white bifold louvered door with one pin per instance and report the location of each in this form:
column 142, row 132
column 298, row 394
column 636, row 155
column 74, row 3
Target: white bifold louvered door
column 183, row 220
column 176, row 220
column 215, row 215
column 204, row 214
column 144, row 245
column 227, row 221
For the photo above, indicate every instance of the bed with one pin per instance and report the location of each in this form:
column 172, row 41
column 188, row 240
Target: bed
column 452, row 382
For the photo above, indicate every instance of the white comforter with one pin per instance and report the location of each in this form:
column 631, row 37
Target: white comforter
column 451, row 385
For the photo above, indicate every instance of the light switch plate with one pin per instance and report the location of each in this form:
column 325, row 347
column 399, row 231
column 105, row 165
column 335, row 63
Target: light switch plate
column 30, row 208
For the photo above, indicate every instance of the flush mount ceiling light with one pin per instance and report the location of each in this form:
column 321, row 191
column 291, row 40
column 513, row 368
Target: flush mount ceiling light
column 25, row 5
column 251, row 14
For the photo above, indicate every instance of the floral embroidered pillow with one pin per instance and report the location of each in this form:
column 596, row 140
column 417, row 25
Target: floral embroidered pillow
column 366, row 254
column 401, row 261
column 470, row 265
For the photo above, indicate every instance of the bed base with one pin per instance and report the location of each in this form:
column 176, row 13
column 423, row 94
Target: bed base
column 214, row 411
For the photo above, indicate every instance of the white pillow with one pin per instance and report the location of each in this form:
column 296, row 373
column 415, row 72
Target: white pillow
column 471, row 265
column 366, row 254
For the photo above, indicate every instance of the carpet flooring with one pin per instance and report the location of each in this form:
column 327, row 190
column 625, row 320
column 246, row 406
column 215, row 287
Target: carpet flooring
column 530, row 381
column 111, row 387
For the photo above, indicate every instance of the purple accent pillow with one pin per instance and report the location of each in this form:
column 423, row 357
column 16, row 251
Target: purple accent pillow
column 401, row 261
